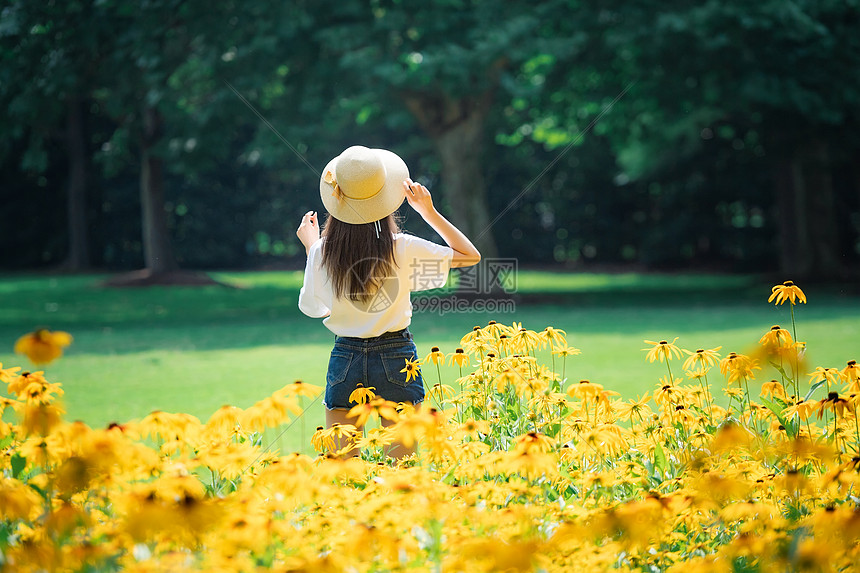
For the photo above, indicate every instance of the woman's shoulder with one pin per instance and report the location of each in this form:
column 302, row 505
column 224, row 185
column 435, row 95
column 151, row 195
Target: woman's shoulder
column 417, row 245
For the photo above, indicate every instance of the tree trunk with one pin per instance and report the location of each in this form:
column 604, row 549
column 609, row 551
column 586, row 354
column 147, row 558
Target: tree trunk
column 457, row 129
column 809, row 241
column 157, row 251
column 78, row 256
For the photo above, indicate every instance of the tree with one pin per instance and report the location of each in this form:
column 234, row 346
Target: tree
column 174, row 95
column 449, row 65
column 46, row 83
column 778, row 76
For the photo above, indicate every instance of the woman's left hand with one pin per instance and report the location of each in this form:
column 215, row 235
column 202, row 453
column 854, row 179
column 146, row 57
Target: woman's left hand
column 309, row 230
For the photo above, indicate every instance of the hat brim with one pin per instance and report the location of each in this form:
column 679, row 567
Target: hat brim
column 381, row 205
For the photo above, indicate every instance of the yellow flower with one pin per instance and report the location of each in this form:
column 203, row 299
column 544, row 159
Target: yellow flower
column 473, row 428
column 638, row 407
column 554, row 336
column 827, row 375
column 834, row 403
column 566, row 351
column 585, row 390
column 494, row 329
column 435, row 356
column 318, row 440
column 33, row 388
column 662, row 350
column 337, row 437
column 851, row 375
column 362, row 395
column 376, row 438
column 787, row 291
column 702, row 358
column 8, row 374
column 43, row 346
column 440, row 392
column 670, row 394
column 299, row 388
column 382, row 408
column 40, row 418
column 533, row 442
column 776, row 337
column 472, row 336
column 802, row 409
column 526, row 339
column 412, row 369
column 773, row 388
column 738, row 366
column 459, row 357
column 223, row 420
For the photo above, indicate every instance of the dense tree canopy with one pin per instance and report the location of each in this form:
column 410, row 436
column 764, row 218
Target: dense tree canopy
column 191, row 134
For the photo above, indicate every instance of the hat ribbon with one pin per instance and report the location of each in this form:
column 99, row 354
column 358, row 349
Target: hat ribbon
column 329, row 178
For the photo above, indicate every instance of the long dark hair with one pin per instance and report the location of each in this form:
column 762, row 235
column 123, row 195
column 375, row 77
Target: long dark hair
column 355, row 259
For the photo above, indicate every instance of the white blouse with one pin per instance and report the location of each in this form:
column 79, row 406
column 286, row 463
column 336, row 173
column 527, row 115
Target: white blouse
column 419, row 265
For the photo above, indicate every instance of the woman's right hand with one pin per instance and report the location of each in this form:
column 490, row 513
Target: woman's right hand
column 419, row 198
column 309, row 230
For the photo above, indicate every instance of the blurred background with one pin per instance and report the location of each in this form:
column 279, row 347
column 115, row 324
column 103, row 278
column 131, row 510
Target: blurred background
column 642, row 134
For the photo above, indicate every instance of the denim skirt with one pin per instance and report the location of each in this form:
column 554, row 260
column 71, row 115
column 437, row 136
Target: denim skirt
column 373, row 362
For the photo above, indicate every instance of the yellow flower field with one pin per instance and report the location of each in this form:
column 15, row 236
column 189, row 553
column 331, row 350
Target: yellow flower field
column 517, row 469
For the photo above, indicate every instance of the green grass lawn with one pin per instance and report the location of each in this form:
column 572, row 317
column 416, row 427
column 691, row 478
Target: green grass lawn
column 194, row 349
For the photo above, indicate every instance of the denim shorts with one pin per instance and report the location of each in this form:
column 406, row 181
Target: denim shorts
column 373, row 362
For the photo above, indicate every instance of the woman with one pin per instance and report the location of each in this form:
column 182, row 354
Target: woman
column 360, row 271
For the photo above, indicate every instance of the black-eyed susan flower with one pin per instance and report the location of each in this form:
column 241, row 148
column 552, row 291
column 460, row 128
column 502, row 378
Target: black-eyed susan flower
column 553, row 336
column 826, row 375
column 534, row 441
column 362, row 395
column 8, row 374
column 787, row 291
column 412, row 369
column 436, row 356
column 440, row 392
column 378, row 406
column 494, row 329
column 776, row 337
column 459, row 357
column 638, row 407
column 738, row 367
column 473, row 428
column 851, row 375
column 835, row 403
column 585, row 390
column 300, row 388
column 43, row 346
column 702, row 358
column 318, row 439
column 802, row 409
column 670, row 394
column 773, row 389
column 525, row 339
column 471, row 336
column 338, row 437
column 662, row 350
column 377, row 438
column 224, row 420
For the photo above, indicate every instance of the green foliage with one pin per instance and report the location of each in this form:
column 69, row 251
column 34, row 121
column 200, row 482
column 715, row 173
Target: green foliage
column 720, row 102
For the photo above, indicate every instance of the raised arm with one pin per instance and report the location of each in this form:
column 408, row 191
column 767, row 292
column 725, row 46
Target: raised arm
column 465, row 253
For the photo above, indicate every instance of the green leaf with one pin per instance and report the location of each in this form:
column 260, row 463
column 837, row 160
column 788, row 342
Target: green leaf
column 18, row 463
column 780, row 369
column 790, row 426
column 660, row 462
column 815, row 387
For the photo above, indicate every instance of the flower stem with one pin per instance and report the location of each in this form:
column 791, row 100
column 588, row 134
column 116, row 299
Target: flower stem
column 796, row 358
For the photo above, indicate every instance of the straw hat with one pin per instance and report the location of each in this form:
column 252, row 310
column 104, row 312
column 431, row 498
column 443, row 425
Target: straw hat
column 363, row 185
